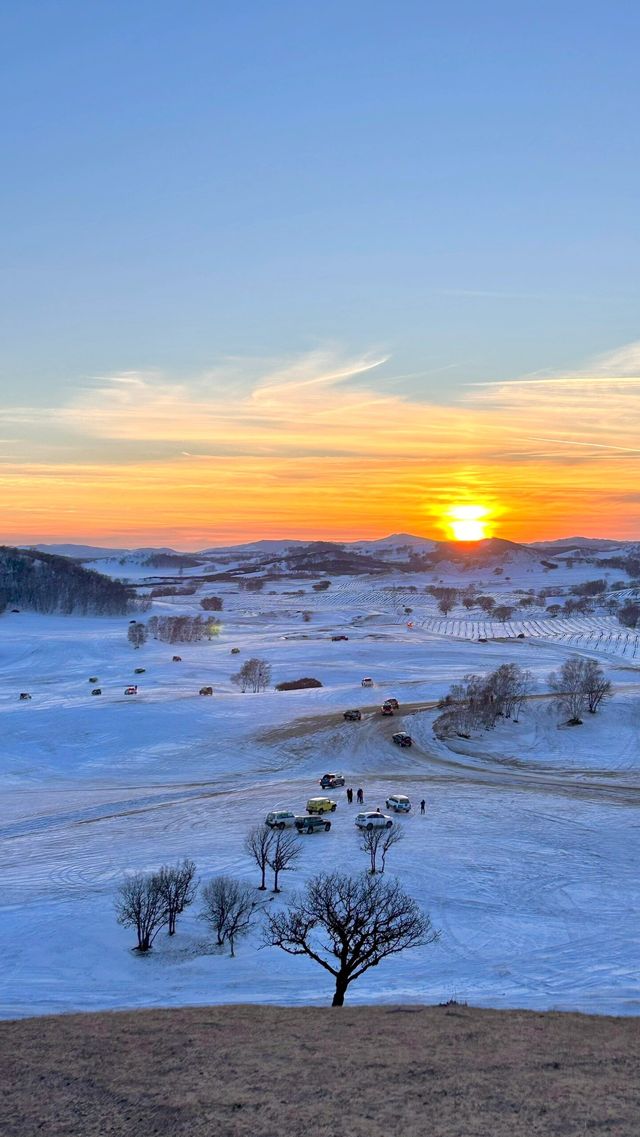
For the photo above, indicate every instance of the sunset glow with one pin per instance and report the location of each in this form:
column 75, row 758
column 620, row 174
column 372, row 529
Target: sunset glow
column 468, row 522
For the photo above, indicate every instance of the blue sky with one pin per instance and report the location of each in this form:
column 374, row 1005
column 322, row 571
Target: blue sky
column 455, row 185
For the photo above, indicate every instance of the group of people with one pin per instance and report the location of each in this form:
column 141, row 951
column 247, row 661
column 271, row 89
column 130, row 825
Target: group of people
column 359, row 796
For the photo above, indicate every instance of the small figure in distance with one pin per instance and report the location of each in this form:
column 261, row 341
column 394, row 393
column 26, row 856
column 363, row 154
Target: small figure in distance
column 422, row 806
column 350, row 795
column 378, row 809
column 360, row 797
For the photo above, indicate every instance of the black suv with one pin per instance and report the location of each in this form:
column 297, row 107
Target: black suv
column 402, row 738
column 352, row 716
column 331, row 781
column 312, row 824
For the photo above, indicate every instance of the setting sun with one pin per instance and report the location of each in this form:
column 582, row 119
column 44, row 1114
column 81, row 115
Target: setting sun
column 467, row 522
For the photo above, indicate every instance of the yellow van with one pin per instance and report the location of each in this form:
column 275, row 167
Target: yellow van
column 321, row 805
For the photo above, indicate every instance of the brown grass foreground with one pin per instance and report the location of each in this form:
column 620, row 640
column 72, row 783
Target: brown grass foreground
column 357, row 1072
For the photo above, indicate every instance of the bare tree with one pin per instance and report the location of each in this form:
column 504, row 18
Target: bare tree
column 629, row 615
column 349, row 924
column 178, row 886
column 568, row 686
column 378, row 842
column 258, row 845
column 137, row 633
column 597, row 687
column 229, row 909
column 447, row 598
column 140, row 904
column 254, row 675
column 503, row 612
column 283, row 853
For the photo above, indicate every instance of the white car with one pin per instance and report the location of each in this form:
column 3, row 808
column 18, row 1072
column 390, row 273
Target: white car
column 399, row 803
column 373, row 820
column 280, row 819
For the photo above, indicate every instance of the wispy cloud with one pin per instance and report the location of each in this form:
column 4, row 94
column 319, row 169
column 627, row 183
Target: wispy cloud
column 315, row 445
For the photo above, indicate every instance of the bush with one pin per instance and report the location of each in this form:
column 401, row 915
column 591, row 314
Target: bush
column 298, row 684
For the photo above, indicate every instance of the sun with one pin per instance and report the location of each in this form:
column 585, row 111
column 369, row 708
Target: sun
column 467, row 522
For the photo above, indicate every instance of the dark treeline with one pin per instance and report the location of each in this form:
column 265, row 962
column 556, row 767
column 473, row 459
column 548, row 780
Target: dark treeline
column 45, row 582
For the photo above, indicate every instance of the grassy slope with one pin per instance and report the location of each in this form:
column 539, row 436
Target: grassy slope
column 362, row 1072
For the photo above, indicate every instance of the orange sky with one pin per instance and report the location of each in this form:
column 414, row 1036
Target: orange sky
column 321, row 447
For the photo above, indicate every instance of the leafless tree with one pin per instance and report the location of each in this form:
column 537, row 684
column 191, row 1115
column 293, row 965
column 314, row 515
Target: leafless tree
column 254, row 675
column 348, row 924
column 597, row 687
column 229, row 908
column 283, row 853
column 137, row 633
column 258, row 844
column 140, row 904
column 568, row 686
column 178, row 886
column 629, row 615
column 503, row 612
column 447, row 598
column 377, row 843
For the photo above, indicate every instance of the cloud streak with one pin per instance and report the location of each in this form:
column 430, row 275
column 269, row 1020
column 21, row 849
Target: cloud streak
column 317, row 446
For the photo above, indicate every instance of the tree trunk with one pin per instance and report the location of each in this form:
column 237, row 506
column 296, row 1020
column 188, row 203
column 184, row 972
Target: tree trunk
column 340, row 991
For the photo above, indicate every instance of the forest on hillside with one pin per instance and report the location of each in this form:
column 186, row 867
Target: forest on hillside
column 44, row 582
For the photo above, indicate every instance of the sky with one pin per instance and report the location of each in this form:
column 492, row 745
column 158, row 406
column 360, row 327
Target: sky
column 294, row 270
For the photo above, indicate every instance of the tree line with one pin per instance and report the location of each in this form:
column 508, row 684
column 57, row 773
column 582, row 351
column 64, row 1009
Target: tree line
column 579, row 686
column 47, row 583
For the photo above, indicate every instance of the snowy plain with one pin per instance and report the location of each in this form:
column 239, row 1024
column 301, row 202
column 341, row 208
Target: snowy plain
column 527, row 859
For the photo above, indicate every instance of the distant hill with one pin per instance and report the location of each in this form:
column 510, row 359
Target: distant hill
column 44, row 582
column 96, row 552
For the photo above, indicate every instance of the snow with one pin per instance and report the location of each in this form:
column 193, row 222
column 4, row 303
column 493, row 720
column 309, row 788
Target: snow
column 527, row 859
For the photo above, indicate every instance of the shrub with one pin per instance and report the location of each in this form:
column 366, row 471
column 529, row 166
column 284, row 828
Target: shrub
column 298, row 684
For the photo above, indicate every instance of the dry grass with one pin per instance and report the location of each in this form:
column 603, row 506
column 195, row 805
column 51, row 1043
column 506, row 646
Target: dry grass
column 357, row 1072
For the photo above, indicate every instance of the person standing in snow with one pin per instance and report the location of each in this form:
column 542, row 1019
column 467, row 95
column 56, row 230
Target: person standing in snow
column 422, row 806
column 360, row 797
column 350, row 795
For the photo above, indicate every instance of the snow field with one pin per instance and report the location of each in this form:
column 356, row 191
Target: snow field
column 527, row 859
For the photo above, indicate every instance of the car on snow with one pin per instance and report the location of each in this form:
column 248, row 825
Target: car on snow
column 399, row 803
column 386, row 709
column 401, row 738
column 133, row 690
column 280, row 819
column 93, row 678
column 321, row 805
column 331, row 781
column 177, row 659
column 312, row 824
column 139, row 670
column 235, row 651
column 373, row 820
column 337, row 638
column 367, row 682
column 96, row 691
column 352, row 716
column 206, row 691
column 392, row 703
column 24, row 696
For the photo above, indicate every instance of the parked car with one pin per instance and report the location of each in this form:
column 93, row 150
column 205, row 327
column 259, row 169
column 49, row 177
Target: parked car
column 206, row 691
column 280, row 819
column 177, row 659
column 336, row 638
column 133, row 690
column 367, row 682
column 399, row 803
column 352, row 716
column 93, row 678
column 373, row 820
column 235, row 651
column 331, row 781
column 139, row 670
column 312, row 824
column 321, row 805
column 97, row 691
column 401, row 738
column 24, row 696
column 386, row 709
column 392, row 703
